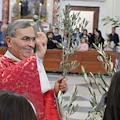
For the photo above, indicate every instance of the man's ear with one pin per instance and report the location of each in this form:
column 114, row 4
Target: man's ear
column 8, row 41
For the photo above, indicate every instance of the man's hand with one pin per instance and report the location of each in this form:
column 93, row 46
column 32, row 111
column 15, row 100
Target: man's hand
column 41, row 44
column 54, row 41
column 60, row 84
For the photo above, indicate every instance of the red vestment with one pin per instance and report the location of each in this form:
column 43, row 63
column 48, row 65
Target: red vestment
column 23, row 78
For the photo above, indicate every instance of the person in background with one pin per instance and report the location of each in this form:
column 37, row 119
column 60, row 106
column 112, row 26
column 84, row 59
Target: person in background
column 109, row 46
column 13, row 19
column 83, row 45
column 2, row 39
column 56, row 35
column 98, row 39
column 91, row 40
column 84, row 34
column 112, row 110
column 50, row 29
column 115, row 38
column 14, row 106
column 51, row 44
column 77, row 35
column 65, row 38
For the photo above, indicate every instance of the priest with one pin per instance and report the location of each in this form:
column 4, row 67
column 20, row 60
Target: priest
column 22, row 71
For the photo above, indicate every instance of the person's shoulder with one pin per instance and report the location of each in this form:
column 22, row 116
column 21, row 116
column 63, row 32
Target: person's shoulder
column 115, row 34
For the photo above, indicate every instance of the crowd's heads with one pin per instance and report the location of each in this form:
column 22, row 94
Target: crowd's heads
column 50, row 35
column 3, row 28
column 66, row 32
column 113, row 29
column 95, row 30
column 50, row 29
column 85, row 32
column 77, row 30
column 15, row 107
column 13, row 19
column 110, row 38
column 83, row 40
column 56, row 31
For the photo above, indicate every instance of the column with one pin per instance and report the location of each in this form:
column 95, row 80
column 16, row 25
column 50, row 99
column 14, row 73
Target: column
column 55, row 10
column 5, row 11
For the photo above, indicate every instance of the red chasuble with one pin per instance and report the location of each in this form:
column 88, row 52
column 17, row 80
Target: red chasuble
column 23, row 78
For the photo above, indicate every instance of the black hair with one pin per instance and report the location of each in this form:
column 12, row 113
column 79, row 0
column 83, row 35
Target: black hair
column 48, row 33
column 57, row 29
column 112, row 111
column 15, row 107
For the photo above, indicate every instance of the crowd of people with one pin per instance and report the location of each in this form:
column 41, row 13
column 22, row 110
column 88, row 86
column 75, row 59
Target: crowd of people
column 86, row 39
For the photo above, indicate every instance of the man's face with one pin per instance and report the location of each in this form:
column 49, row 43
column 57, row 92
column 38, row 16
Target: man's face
column 85, row 32
column 50, row 36
column 13, row 19
column 3, row 29
column 50, row 30
column 65, row 32
column 113, row 30
column 19, row 45
column 56, row 31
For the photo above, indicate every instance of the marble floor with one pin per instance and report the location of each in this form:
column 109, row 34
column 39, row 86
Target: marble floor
column 83, row 95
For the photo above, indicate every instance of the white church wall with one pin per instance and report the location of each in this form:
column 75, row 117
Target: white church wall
column 117, row 13
column 12, row 2
column 106, row 8
column 101, row 5
column 49, row 11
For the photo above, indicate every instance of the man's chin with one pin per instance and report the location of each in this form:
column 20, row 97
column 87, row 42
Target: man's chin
column 27, row 55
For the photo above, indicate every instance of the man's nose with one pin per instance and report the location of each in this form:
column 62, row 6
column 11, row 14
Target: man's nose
column 31, row 43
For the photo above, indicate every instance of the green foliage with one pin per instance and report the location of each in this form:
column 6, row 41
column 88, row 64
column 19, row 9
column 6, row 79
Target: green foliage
column 100, row 82
column 67, row 21
column 71, row 108
column 114, row 21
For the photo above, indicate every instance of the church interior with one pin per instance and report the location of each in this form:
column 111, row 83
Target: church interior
column 80, row 34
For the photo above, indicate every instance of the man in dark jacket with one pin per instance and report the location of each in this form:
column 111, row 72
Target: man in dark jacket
column 115, row 37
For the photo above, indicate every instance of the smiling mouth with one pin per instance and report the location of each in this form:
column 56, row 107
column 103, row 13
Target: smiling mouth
column 29, row 50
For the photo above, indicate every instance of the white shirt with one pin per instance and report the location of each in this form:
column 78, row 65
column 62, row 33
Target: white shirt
column 45, row 85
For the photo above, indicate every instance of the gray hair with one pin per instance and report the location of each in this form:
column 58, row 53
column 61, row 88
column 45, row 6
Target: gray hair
column 4, row 26
column 11, row 30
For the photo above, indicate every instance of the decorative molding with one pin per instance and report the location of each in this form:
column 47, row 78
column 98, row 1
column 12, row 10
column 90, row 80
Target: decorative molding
column 87, row 0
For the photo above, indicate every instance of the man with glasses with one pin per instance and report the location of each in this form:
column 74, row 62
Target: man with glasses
column 22, row 71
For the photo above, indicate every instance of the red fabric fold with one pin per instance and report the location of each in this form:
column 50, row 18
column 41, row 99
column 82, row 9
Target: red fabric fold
column 50, row 106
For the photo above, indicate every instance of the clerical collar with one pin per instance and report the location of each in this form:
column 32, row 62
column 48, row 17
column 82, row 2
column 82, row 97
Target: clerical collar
column 11, row 56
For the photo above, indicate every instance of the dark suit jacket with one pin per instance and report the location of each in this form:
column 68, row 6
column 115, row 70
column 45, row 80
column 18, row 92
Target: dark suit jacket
column 50, row 44
column 58, row 38
column 115, row 38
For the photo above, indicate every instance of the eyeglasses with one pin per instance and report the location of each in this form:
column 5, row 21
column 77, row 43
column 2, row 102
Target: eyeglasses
column 27, row 38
